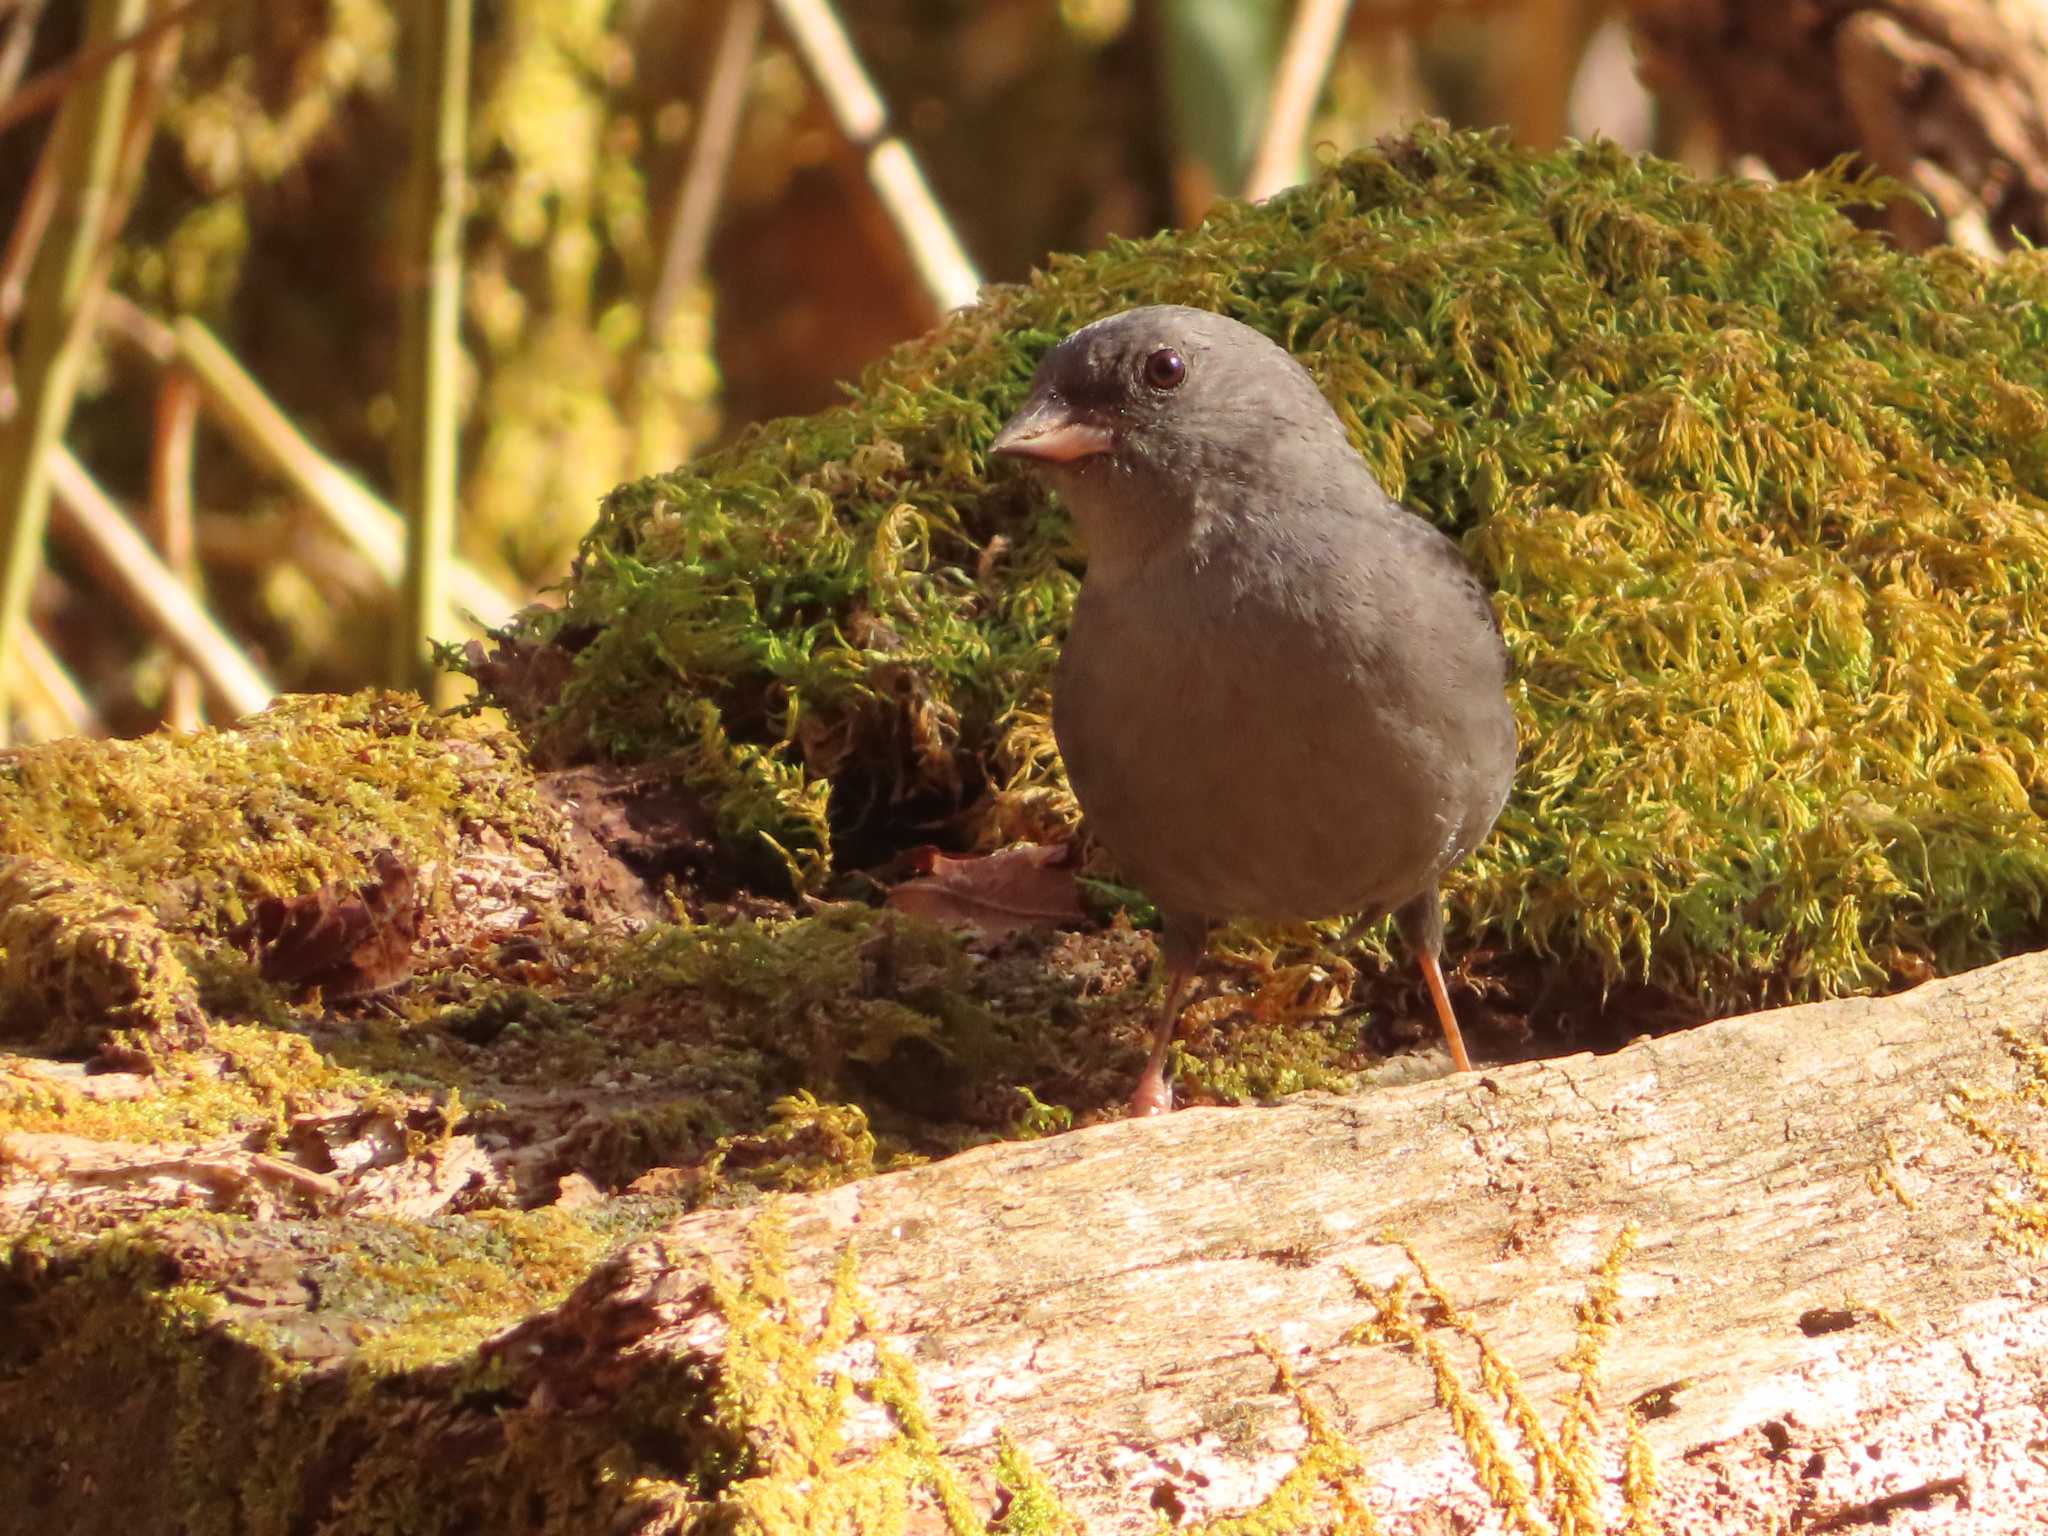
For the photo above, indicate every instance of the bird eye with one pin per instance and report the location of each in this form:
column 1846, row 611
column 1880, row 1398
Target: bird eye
column 1164, row 370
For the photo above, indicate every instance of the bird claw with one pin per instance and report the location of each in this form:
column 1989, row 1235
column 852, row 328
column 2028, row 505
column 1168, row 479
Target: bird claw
column 1152, row 1096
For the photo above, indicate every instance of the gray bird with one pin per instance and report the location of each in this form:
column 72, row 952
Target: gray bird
column 1283, row 695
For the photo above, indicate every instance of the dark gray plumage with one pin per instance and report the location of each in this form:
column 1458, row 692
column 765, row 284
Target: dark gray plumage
column 1283, row 695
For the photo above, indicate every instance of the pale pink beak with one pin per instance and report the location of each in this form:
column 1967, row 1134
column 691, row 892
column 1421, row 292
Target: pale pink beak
column 1049, row 431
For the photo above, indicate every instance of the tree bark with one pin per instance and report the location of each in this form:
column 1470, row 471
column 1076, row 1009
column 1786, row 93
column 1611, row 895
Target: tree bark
column 1949, row 97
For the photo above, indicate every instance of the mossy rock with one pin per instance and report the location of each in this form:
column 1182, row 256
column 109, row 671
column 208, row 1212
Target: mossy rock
column 1762, row 500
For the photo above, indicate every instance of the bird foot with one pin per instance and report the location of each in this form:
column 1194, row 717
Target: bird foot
column 1152, row 1096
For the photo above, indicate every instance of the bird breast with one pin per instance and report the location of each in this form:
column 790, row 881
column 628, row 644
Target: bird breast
column 1247, row 747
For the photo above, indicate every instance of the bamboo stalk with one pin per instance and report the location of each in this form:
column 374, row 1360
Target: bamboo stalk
column 170, row 517
column 24, row 242
column 88, row 519
column 432, row 344
column 57, row 319
column 350, row 510
column 942, row 263
column 1297, row 84
column 718, row 132
column 49, row 87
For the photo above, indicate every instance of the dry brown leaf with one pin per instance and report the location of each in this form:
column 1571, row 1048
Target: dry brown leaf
column 1024, row 887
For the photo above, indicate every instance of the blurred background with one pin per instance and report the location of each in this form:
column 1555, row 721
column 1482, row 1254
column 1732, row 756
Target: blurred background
column 282, row 278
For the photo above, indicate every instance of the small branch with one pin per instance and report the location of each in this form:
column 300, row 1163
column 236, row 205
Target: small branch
column 1297, row 85
column 49, row 87
column 49, row 701
column 356, row 516
column 21, row 34
column 1879, row 1511
column 170, row 516
column 88, row 517
column 942, row 263
column 703, row 189
column 85, row 146
column 432, row 343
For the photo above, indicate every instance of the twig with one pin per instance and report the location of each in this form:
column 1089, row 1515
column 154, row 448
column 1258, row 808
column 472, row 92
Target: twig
column 942, row 263
column 1878, row 1511
column 156, row 597
column 1543, row 43
column 1297, row 84
column 355, row 516
column 57, row 317
column 718, row 132
column 49, row 87
column 49, row 701
column 170, row 516
column 431, row 346
column 20, row 35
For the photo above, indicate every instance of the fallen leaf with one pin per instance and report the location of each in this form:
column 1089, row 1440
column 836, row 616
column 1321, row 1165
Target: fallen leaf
column 348, row 946
column 1024, row 887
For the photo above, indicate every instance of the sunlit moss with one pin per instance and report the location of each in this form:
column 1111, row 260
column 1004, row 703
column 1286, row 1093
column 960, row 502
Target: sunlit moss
column 2006, row 1121
column 197, row 828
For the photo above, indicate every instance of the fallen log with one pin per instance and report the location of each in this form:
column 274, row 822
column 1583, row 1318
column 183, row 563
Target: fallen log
column 1829, row 1314
column 1830, row 1302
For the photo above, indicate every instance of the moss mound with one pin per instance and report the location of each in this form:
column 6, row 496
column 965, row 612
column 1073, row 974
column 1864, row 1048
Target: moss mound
column 1763, row 501
column 199, row 828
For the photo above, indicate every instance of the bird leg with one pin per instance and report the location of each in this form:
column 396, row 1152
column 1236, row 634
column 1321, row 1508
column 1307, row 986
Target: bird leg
column 1433, row 974
column 1421, row 922
column 1180, row 946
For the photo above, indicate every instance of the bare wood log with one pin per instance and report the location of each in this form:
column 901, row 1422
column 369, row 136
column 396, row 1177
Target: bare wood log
column 1948, row 96
column 1816, row 1306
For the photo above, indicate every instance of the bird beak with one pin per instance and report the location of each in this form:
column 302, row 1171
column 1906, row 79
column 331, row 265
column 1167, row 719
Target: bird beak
column 1051, row 432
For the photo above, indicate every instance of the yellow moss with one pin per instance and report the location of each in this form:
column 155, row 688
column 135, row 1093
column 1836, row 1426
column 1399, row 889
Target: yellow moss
column 195, row 828
column 785, row 1391
column 134, row 1366
column 79, row 964
column 253, row 1079
column 1999, row 1118
column 1567, row 1496
column 439, row 1288
column 1323, row 1486
column 1883, row 1177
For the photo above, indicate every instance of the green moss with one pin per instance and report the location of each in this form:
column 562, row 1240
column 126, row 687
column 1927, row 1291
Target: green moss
column 1763, row 501
column 78, row 966
column 128, row 868
column 195, row 829
column 426, row 1293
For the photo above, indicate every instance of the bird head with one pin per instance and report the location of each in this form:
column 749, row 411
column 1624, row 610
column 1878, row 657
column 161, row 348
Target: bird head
column 1155, row 422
